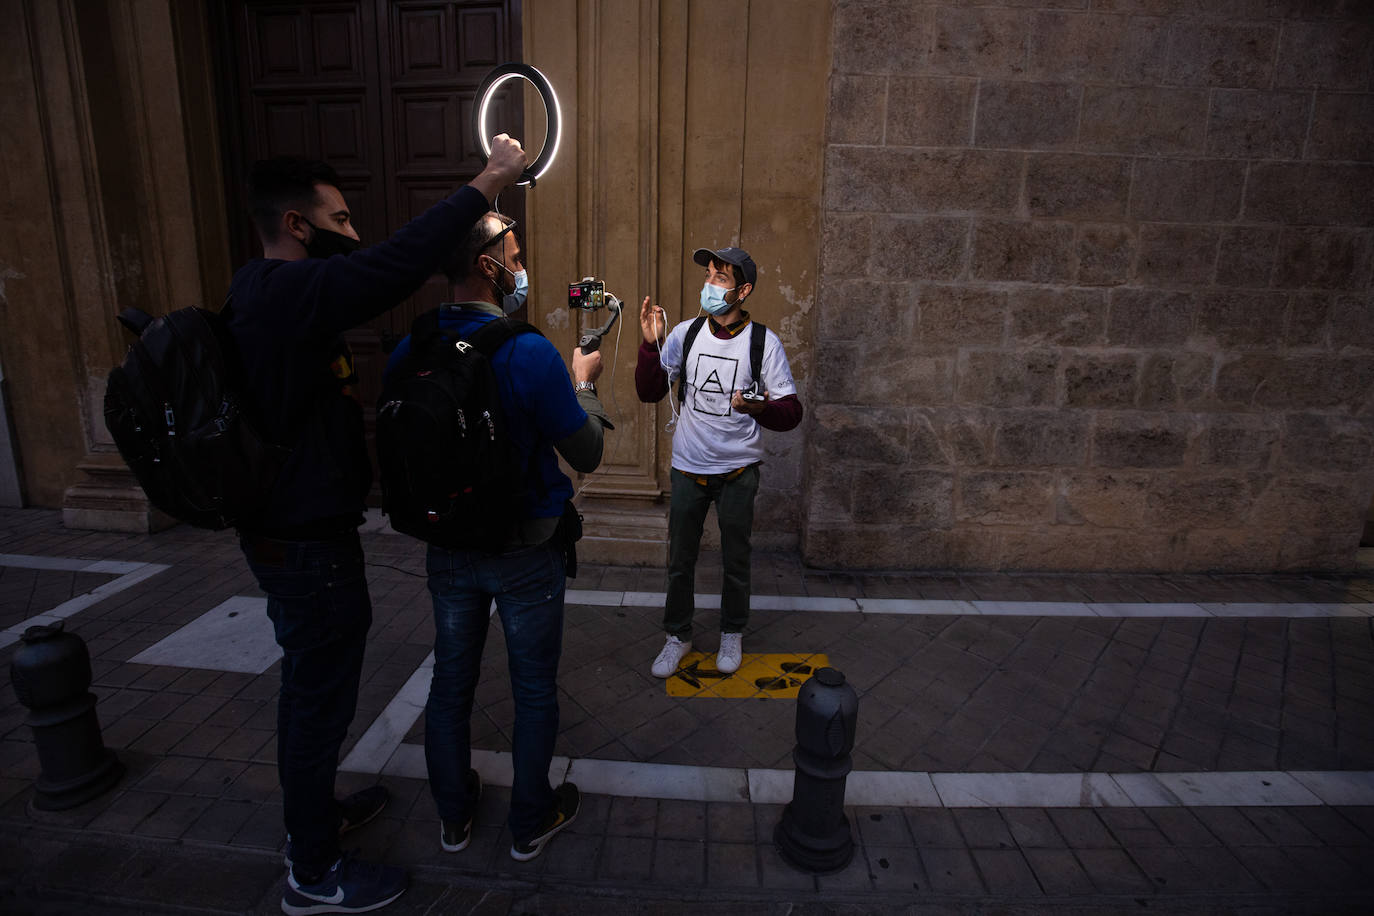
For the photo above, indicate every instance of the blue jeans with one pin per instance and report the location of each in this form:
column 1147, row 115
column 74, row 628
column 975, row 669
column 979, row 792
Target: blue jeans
column 318, row 602
column 528, row 586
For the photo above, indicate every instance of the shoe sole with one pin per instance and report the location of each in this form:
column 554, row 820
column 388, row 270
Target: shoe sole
column 467, row 838
column 291, row 909
column 539, row 846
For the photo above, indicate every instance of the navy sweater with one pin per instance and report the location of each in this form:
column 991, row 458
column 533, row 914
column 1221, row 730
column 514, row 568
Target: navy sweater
column 287, row 317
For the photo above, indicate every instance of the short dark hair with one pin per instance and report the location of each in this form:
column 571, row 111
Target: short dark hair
column 735, row 270
column 284, row 183
column 458, row 266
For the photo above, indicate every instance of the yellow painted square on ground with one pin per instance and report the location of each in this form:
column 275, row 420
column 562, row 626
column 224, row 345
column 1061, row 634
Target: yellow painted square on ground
column 778, row 675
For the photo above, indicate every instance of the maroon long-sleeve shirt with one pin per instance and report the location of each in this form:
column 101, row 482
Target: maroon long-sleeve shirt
column 651, row 384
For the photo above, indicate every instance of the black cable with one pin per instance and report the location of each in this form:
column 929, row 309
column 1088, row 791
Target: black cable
column 399, row 570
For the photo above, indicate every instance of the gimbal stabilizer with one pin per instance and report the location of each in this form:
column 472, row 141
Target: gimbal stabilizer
column 589, row 294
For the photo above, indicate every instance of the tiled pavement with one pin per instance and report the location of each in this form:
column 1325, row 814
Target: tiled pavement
column 196, row 825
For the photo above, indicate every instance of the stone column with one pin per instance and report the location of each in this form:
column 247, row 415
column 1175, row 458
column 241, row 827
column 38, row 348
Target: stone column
column 120, row 154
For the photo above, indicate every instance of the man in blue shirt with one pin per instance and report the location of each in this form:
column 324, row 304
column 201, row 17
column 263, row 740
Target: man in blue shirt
column 287, row 312
column 545, row 413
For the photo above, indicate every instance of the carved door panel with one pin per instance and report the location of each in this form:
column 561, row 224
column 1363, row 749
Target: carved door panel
column 436, row 57
column 383, row 91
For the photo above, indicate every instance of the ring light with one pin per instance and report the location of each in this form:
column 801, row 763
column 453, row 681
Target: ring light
column 497, row 78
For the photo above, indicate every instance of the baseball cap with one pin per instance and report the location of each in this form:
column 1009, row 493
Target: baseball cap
column 736, row 256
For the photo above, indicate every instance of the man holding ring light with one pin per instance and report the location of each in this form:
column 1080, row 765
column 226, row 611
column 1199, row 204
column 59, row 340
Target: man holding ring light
column 734, row 381
column 287, row 313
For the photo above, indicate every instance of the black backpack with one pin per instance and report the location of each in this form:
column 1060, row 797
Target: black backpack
column 176, row 411
column 447, row 467
column 758, row 335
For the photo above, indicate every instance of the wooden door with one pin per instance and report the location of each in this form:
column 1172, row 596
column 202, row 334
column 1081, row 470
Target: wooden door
column 383, row 91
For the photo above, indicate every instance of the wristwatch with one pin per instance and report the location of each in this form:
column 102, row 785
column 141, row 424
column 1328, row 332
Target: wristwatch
column 585, row 386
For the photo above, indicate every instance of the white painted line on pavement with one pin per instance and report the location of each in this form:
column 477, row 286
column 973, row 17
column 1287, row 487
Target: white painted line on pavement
column 1339, row 787
column 69, row 564
column 801, row 603
column 922, row 606
column 235, row 635
column 496, row 767
column 1029, row 790
column 1145, row 609
column 1271, row 609
column 381, row 751
column 600, row 599
column 770, row 787
column 1145, row 791
column 1034, row 608
column 874, row 788
column 657, row 780
column 1244, row 789
column 384, row 736
column 128, row 575
column 947, row 607
column 869, row 788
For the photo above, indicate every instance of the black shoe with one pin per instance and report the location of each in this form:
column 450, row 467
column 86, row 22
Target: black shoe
column 361, row 807
column 567, row 802
column 354, row 811
column 454, row 836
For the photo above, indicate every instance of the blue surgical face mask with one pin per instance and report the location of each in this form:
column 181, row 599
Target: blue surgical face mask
column 713, row 300
column 511, row 302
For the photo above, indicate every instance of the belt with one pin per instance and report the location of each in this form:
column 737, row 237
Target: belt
column 704, row 480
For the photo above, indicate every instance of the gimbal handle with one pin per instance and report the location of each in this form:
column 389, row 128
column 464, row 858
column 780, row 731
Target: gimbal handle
column 591, row 341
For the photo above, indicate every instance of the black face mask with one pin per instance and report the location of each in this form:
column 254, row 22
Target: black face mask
column 325, row 244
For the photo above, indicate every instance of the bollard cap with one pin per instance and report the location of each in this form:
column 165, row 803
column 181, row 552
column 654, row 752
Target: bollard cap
column 830, row 677
column 42, row 631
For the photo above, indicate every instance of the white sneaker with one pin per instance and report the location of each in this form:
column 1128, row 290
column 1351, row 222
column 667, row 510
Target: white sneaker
column 731, row 647
column 670, row 657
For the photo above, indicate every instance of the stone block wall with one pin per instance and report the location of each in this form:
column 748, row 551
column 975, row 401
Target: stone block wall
column 1095, row 286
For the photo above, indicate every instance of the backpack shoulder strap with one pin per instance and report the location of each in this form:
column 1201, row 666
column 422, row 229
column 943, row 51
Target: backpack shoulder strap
column 687, row 341
column 488, row 339
column 490, row 336
column 759, row 336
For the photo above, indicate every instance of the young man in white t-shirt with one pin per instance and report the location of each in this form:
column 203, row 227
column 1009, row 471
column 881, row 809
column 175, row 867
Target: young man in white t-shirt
column 717, row 440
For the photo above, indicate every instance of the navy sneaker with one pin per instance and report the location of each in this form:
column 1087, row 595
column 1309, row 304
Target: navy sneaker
column 454, row 836
column 354, row 811
column 567, row 801
column 350, row 886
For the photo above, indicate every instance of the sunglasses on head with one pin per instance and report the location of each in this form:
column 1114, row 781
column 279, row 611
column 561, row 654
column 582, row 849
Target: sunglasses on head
column 497, row 237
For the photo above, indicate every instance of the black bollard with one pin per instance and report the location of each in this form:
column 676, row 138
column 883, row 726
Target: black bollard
column 51, row 673
column 813, row 833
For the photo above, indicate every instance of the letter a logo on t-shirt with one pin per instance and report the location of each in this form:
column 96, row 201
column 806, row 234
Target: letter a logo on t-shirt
column 712, row 396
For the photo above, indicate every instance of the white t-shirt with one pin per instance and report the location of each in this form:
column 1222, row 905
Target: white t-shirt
column 712, row 437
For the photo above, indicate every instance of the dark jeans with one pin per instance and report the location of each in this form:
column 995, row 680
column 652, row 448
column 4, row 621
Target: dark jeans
column 734, row 501
column 528, row 586
column 318, row 601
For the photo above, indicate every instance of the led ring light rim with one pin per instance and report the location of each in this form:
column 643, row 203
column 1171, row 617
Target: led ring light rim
column 553, row 114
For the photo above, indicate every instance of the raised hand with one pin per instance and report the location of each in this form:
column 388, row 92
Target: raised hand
column 653, row 322
column 504, row 166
